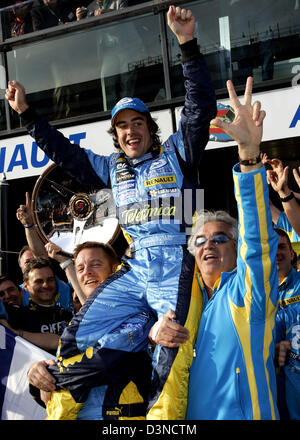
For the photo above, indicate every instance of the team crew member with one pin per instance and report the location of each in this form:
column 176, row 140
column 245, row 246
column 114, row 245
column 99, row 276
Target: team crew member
column 10, row 292
column 119, row 362
column 62, row 297
column 149, row 182
column 233, row 374
column 41, row 314
column 287, row 331
column 35, row 248
column 20, row 318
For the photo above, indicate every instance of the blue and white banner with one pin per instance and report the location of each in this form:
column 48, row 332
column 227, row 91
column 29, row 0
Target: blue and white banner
column 16, row 356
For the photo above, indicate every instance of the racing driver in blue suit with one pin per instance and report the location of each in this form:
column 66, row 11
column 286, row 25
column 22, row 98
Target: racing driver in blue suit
column 154, row 188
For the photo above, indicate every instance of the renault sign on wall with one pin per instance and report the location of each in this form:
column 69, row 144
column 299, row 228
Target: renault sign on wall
column 20, row 157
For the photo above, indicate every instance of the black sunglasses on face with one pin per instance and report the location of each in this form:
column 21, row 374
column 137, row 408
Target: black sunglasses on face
column 216, row 239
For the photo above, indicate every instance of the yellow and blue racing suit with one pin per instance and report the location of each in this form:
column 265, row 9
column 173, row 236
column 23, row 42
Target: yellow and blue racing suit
column 233, row 376
column 155, row 197
column 63, row 296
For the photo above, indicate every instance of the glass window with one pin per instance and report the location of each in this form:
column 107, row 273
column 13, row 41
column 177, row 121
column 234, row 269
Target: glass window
column 240, row 38
column 88, row 71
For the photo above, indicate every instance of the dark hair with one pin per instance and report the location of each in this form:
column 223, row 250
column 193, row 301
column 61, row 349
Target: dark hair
column 152, row 126
column 24, row 249
column 36, row 263
column 107, row 249
column 282, row 233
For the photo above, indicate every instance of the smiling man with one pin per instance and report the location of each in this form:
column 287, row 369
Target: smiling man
column 232, row 376
column 132, row 129
column 94, row 263
column 41, row 321
column 42, row 314
column 10, row 293
column 215, row 246
column 39, row 280
column 153, row 183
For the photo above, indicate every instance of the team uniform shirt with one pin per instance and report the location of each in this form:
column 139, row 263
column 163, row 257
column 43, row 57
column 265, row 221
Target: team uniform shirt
column 288, row 329
column 63, row 296
column 38, row 318
column 283, row 223
column 232, row 376
column 155, row 198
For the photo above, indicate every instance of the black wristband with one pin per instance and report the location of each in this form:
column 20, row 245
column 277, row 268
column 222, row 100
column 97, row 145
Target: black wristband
column 250, row 162
column 287, row 198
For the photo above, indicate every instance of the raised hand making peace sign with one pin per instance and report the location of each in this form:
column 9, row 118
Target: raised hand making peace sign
column 247, row 127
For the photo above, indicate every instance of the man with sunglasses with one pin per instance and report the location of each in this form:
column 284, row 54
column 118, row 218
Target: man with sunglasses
column 232, row 376
column 288, row 331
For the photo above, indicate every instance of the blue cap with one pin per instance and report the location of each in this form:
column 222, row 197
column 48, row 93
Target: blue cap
column 128, row 104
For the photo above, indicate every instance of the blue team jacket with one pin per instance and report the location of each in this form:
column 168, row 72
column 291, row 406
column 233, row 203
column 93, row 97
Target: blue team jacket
column 288, row 329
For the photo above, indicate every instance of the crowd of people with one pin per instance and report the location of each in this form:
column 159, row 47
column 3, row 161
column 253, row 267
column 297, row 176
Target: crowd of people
column 200, row 325
column 21, row 17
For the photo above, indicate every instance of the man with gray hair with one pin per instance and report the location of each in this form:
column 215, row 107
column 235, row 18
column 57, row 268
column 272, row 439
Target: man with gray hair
column 232, row 376
column 213, row 216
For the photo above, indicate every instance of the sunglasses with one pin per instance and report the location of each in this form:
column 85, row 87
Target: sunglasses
column 216, row 239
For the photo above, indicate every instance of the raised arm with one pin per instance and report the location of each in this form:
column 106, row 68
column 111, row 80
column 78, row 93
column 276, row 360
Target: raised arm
column 24, row 215
column 16, row 97
column 257, row 246
column 278, row 178
column 76, row 161
column 246, row 128
column 200, row 101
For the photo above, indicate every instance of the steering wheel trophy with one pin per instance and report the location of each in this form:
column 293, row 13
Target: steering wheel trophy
column 68, row 213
